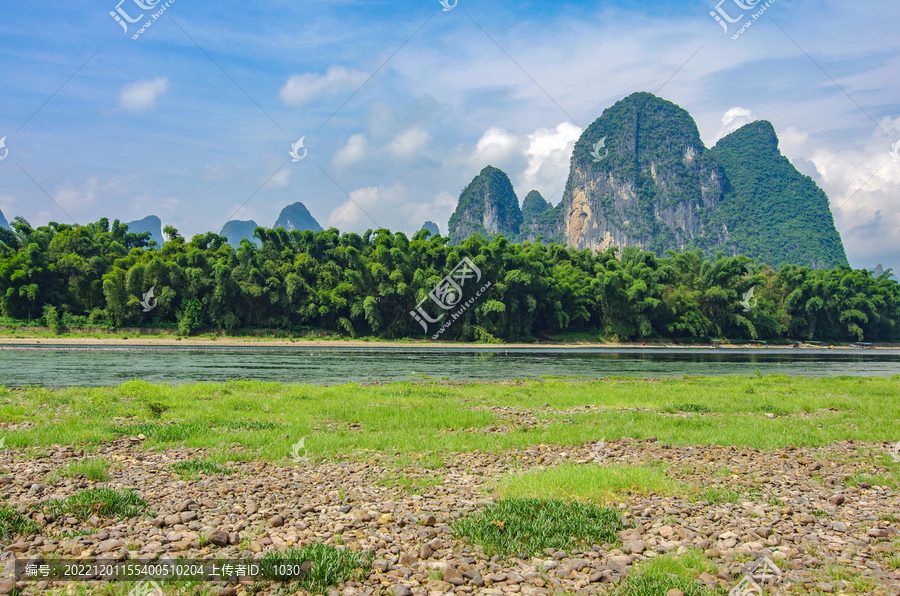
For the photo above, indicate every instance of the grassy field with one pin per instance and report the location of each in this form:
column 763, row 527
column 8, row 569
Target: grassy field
column 420, row 424
column 266, row 419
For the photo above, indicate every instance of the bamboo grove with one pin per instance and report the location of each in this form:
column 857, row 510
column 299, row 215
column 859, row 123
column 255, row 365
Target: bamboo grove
column 367, row 285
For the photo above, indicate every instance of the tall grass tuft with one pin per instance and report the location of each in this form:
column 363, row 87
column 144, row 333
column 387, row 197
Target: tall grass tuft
column 526, row 527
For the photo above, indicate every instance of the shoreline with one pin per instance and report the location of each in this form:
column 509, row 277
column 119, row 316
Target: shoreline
column 154, row 341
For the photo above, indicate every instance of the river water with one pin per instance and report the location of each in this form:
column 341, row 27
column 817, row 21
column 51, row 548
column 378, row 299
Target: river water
column 67, row 366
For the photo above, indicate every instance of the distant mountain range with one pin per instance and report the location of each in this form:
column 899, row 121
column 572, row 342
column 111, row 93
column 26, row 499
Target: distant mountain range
column 151, row 224
column 296, row 217
column 641, row 176
column 293, row 217
column 3, row 222
column 431, row 227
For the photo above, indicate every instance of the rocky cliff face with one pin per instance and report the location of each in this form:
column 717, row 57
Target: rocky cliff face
column 297, row 217
column 487, row 206
column 640, row 175
column 540, row 219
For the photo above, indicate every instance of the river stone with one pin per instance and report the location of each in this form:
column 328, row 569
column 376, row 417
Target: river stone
column 634, row 546
column 108, row 545
column 218, row 537
column 451, row 575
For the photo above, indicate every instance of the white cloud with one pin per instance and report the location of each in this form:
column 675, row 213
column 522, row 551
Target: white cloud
column 862, row 183
column 216, row 173
column 81, row 197
column 534, row 161
column 497, row 146
column 549, row 154
column 357, row 215
column 437, row 210
column 733, row 119
column 409, row 143
column 281, row 179
column 352, row 152
column 302, row 88
column 142, row 95
column 790, row 138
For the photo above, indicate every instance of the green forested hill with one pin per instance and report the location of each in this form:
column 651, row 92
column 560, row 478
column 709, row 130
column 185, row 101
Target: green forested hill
column 641, row 176
column 773, row 213
column 236, row 230
column 296, row 217
column 487, row 206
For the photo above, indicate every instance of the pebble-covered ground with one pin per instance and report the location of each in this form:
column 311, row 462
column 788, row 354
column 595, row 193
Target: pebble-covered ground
column 795, row 505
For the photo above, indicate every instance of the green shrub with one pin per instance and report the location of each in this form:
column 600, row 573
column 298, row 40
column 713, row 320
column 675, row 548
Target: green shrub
column 191, row 317
column 51, row 318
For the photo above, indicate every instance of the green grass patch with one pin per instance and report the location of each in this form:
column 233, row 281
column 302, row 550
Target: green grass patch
column 887, row 480
column 661, row 574
column 600, row 484
column 102, row 502
column 13, row 523
column 526, row 527
column 651, row 584
column 329, row 565
column 94, row 469
column 400, row 418
column 196, row 467
column 713, row 495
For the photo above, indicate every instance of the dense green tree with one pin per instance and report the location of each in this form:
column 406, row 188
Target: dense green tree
column 367, row 285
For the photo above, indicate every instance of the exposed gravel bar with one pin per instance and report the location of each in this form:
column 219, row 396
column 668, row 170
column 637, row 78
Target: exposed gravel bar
column 795, row 506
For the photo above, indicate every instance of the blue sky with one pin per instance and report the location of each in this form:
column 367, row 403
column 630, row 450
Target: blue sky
column 157, row 125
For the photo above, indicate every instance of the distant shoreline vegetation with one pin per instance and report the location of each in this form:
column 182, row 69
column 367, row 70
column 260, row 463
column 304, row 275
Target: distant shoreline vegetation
column 366, row 285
